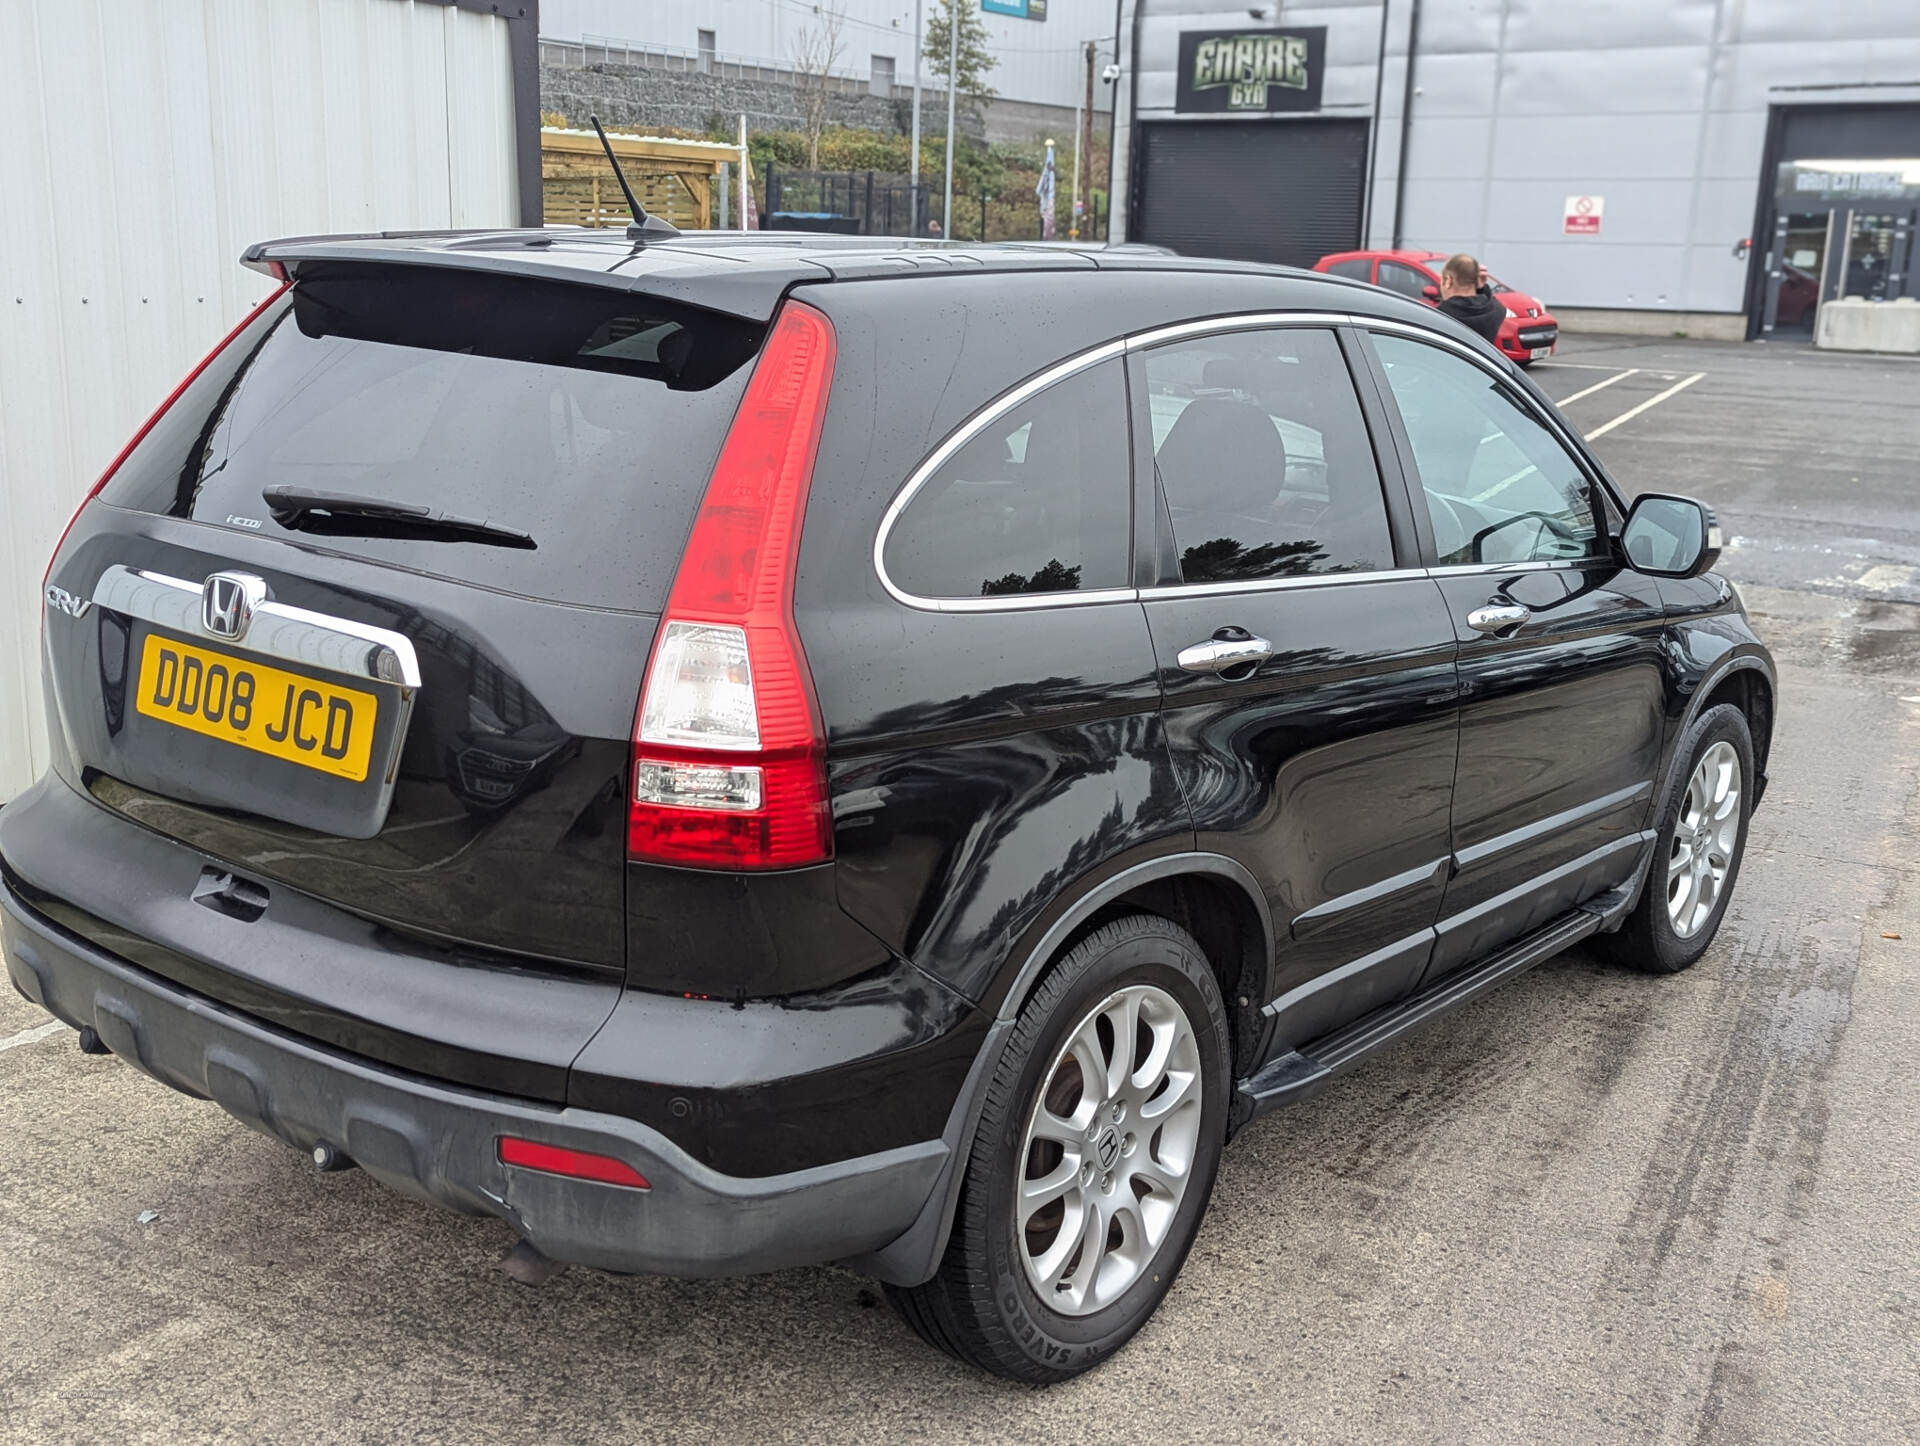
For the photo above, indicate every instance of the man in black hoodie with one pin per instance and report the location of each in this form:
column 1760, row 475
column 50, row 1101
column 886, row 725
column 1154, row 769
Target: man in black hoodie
column 1464, row 298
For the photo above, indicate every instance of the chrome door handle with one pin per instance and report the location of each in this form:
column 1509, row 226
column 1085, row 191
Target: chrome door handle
column 1500, row 619
column 1218, row 655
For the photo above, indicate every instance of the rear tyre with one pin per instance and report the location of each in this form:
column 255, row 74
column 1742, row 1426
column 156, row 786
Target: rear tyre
column 1702, row 835
column 1093, row 1163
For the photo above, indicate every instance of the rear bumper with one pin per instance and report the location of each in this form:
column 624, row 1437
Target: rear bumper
column 439, row 1143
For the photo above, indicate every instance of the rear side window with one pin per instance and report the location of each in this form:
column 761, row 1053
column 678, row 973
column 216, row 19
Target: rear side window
column 1037, row 501
column 1359, row 268
column 584, row 417
column 1263, row 458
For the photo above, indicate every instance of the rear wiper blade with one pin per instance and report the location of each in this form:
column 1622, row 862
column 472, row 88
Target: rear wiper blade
column 341, row 514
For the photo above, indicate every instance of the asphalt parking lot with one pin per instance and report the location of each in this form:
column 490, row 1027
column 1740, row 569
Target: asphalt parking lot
column 1593, row 1207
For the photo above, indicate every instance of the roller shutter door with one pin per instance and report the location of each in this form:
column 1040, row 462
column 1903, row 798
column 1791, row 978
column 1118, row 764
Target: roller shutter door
column 1286, row 191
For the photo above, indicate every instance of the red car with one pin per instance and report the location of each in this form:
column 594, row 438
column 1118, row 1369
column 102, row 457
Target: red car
column 1528, row 333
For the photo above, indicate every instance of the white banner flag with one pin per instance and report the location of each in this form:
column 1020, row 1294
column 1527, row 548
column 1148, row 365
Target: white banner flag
column 1045, row 192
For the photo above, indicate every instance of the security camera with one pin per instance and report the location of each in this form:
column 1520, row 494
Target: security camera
column 1110, row 72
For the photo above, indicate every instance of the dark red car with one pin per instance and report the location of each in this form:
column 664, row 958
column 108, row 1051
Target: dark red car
column 1528, row 333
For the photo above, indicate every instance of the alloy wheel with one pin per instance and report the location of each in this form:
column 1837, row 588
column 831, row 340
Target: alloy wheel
column 1700, row 854
column 1109, row 1150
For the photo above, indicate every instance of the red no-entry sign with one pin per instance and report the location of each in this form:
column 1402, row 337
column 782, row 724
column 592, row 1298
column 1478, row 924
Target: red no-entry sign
column 1583, row 215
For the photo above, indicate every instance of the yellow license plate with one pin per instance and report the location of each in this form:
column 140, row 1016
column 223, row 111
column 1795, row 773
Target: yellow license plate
column 304, row 720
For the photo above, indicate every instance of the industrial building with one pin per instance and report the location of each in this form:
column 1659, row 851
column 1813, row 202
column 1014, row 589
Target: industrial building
column 1718, row 167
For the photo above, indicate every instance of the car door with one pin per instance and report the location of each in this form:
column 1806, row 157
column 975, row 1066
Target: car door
column 1307, row 661
column 1561, row 717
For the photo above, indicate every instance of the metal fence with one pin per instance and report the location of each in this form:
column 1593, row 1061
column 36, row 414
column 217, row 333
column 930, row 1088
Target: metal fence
column 863, row 203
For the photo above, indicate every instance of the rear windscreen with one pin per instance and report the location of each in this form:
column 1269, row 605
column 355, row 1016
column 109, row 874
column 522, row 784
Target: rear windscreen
column 586, row 418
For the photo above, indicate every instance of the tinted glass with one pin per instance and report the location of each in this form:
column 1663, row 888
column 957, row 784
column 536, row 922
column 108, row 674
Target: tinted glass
column 1360, row 268
column 1500, row 487
column 587, row 417
column 1405, row 280
column 1036, row 502
column 1263, row 458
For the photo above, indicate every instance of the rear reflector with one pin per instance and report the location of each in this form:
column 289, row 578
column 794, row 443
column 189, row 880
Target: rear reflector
column 575, row 1164
column 159, row 412
column 729, row 754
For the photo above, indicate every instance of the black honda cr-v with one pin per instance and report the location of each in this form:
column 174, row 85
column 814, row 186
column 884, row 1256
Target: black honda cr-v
column 732, row 754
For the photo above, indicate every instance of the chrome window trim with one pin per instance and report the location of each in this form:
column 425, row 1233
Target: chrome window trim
column 1499, row 569
column 1006, row 402
column 1279, row 584
column 955, row 440
column 1160, row 336
column 288, row 634
column 1245, row 321
column 1014, row 602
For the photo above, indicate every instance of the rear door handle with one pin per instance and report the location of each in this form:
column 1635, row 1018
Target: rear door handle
column 1500, row 619
column 1219, row 655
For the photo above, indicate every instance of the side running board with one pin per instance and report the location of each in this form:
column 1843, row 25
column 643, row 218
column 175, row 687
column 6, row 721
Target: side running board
column 1303, row 1073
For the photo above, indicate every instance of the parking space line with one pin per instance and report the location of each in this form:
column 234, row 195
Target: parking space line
column 1589, row 391
column 30, row 1036
column 1652, row 401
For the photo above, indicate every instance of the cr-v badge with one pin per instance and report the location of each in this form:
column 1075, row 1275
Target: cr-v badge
column 62, row 601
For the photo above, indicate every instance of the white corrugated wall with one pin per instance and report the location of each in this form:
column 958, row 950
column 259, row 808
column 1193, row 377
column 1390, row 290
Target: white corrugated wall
column 142, row 146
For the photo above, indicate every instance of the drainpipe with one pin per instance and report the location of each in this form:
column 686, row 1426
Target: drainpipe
column 1373, row 138
column 1113, row 117
column 1406, row 124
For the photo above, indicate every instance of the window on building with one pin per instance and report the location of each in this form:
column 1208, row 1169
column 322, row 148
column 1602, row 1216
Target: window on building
column 1264, row 459
column 1035, row 502
column 706, row 51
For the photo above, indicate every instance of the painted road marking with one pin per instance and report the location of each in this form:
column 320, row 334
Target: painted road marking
column 1589, row 391
column 30, row 1036
column 1652, row 401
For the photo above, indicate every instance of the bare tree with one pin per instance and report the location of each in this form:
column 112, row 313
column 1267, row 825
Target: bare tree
column 815, row 52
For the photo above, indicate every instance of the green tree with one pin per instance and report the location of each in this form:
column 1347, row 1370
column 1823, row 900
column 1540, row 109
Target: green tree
column 973, row 61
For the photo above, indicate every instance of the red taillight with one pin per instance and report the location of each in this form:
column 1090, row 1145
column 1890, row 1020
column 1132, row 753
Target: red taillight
column 729, row 754
column 159, row 412
column 575, row 1164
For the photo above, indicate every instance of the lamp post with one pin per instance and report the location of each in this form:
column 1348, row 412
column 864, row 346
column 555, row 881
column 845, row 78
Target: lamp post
column 913, row 190
column 953, row 65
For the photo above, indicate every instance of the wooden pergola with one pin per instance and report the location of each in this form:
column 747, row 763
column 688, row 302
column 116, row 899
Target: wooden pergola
column 673, row 178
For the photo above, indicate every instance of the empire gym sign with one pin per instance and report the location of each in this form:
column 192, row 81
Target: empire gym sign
column 1251, row 70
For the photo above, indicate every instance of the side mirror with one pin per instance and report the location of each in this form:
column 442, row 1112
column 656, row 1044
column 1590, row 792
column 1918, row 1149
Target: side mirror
column 1432, row 293
column 1670, row 536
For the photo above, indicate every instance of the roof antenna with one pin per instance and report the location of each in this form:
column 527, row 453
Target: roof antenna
column 643, row 227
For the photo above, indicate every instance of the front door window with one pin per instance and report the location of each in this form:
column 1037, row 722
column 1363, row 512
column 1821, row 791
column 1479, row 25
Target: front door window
column 1500, row 487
